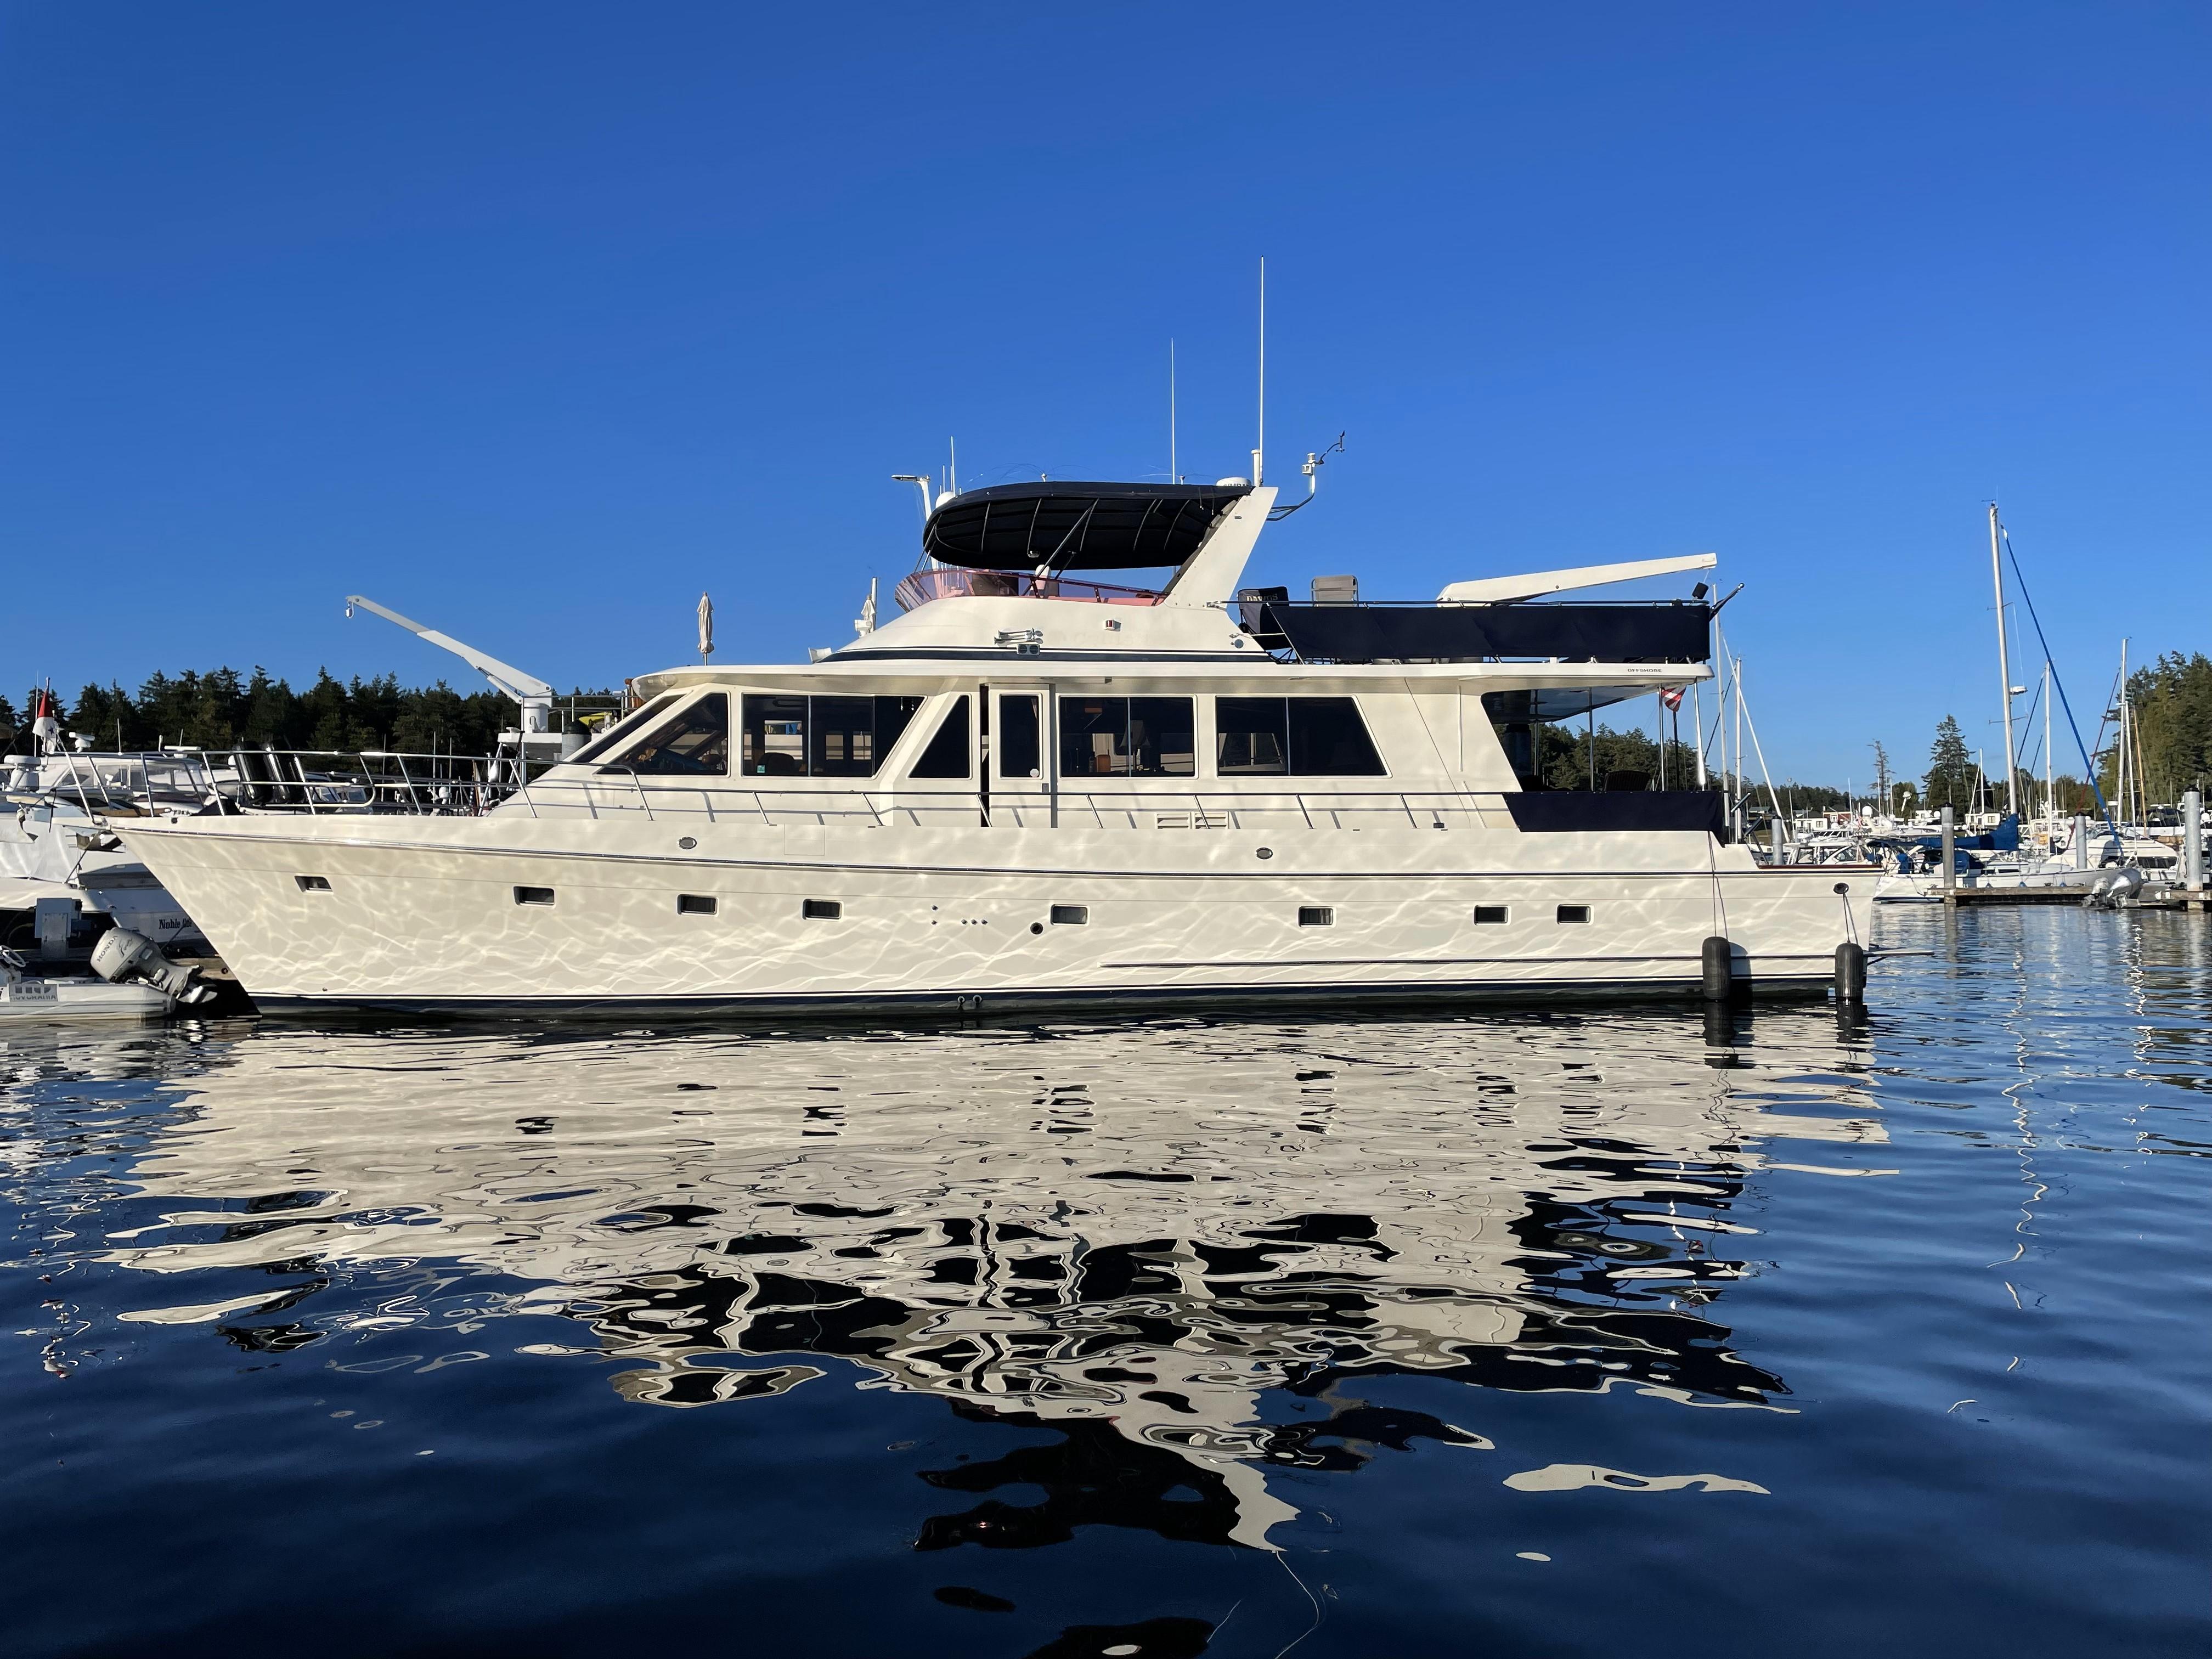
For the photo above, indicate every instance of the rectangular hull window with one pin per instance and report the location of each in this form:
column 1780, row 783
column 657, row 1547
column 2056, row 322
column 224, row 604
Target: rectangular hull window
column 1070, row 915
column 1571, row 913
column 947, row 753
column 313, row 883
column 1127, row 738
column 1316, row 915
column 693, row 743
column 695, row 904
column 1489, row 915
column 821, row 909
column 534, row 896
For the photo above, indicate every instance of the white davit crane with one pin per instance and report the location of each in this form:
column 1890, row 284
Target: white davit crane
column 535, row 697
column 1501, row 590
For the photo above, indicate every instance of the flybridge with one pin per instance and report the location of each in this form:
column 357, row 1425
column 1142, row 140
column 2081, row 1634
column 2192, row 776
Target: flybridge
column 1009, row 560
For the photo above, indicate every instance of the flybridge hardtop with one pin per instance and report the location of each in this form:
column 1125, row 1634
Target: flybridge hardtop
column 1077, row 526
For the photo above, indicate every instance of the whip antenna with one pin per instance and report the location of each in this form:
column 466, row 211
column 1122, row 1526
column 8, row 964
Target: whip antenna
column 1260, row 450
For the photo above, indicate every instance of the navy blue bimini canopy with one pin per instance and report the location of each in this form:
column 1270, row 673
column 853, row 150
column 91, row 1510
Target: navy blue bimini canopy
column 1629, row 632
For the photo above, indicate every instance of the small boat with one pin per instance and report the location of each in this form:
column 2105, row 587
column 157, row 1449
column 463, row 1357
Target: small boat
column 1995, row 862
column 27, row 996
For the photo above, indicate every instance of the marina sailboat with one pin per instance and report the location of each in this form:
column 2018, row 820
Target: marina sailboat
column 1040, row 785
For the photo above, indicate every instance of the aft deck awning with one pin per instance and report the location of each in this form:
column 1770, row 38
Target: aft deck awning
column 1077, row 526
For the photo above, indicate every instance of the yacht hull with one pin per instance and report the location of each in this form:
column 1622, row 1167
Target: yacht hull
column 508, row 911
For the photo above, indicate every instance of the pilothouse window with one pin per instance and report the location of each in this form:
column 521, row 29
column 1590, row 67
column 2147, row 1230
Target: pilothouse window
column 1126, row 737
column 626, row 728
column 798, row 737
column 695, row 742
column 852, row 735
column 947, row 753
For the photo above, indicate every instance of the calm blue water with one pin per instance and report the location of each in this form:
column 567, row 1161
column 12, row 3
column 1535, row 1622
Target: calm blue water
column 1562, row 1335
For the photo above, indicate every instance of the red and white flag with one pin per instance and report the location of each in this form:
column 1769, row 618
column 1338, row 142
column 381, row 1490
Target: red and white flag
column 1672, row 697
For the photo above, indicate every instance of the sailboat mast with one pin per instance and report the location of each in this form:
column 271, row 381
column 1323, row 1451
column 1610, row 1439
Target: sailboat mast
column 2122, row 779
column 2050, row 811
column 2005, row 664
column 1735, row 681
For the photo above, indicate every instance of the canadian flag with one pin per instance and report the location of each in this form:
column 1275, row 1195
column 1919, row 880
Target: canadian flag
column 46, row 723
column 1671, row 695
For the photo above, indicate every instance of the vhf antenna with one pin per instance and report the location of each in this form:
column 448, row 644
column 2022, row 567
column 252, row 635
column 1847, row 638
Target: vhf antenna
column 1173, row 475
column 1260, row 450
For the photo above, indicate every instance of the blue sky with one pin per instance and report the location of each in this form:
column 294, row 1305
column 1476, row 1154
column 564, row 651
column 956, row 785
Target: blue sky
column 531, row 321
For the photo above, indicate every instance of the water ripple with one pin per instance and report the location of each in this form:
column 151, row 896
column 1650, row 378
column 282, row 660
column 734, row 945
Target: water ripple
column 1121, row 1311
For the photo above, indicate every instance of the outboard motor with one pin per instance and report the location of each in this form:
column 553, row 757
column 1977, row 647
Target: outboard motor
column 2114, row 887
column 121, row 958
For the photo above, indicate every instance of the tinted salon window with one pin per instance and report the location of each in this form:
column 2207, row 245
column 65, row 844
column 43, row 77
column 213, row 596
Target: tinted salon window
column 1251, row 737
column 1094, row 737
column 1305, row 737
column 1328, row 739
column 1126, row 737
column 693, row 743
column 1161, row 743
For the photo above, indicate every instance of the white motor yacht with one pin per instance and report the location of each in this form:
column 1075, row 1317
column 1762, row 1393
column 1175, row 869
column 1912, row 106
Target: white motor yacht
column 1036, row 787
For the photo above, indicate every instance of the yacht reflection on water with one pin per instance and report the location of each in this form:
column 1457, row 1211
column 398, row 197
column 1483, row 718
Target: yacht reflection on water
column 1181, row 1248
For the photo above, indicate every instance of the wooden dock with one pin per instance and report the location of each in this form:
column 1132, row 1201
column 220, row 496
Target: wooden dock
column 2014, row 896
column 2198, row 899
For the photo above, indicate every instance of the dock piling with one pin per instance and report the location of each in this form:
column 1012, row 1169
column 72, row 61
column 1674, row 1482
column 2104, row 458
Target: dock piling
column 2192, row 846
column 1950, row 856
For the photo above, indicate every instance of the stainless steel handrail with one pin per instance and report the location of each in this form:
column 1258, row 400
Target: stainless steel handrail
column 677, row 798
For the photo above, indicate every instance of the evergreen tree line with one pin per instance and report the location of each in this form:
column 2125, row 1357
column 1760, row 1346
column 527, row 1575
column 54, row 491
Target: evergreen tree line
column 2171, row 708
column 1954, row 779
column 1563, row 755
column 224, row 709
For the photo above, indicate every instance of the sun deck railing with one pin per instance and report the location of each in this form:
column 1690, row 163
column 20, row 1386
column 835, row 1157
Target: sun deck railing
column 242, row 780
column 952, row 582
column 363, row 780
